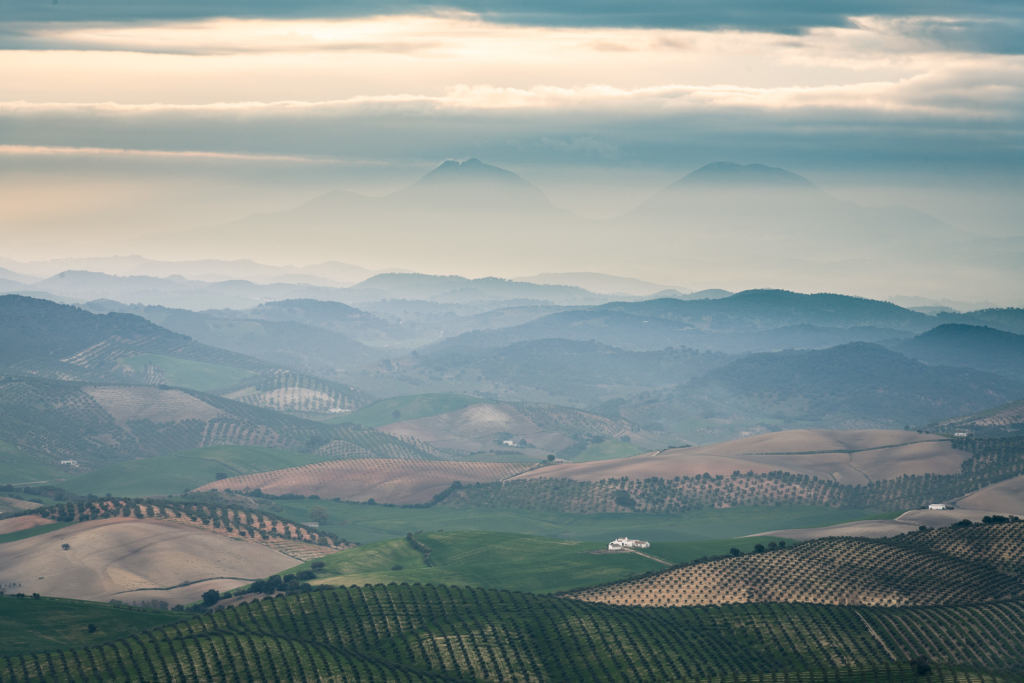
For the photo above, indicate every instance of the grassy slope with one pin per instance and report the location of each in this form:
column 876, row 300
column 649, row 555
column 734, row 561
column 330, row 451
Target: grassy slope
column 191, row 374
column 21, row 467
column 34, row 531
column 509, row 561
column 608, row 450
column 174, row 473
column 28, row 625
column 370, row 523
column 487, row 560
column 411, row 407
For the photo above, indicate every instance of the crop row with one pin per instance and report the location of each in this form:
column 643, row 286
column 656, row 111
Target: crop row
column 401, row 632
column 837, row 571
column 992, row 460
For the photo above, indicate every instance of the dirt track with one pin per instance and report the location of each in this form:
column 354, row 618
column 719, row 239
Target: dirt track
column 128, row 559
column 849, row 457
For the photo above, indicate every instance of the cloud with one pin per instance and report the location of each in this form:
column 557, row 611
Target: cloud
column 780, row 16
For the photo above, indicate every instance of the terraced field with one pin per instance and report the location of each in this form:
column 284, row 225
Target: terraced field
column 414, row 633
column 947, row 566
column 385, row 481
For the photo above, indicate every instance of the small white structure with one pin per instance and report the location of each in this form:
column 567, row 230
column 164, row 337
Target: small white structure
column 73, row 463
column 938, row 506
column 508, row 442
column 627, row 543
column 963, row 432
column 312, row 525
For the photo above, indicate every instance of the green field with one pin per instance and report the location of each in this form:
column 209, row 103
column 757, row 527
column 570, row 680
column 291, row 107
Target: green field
column 537, row 564
column 185, row 470
column 34, row 531
column 371, row 523
column 21, row 467
column 191, row 374
column 409, row 407
column 486, row 560
column 29, row 625
column 611, row 449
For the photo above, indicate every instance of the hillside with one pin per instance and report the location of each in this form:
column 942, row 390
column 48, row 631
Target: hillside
column 954, row 565
column 909, row 476
column 434, row 633
column 846, row 387
column 64, row 342
column 364, row 479
column 1003, row 420
column 100, row 424
column 981, row 348
column 173, row 473
column 580, row 372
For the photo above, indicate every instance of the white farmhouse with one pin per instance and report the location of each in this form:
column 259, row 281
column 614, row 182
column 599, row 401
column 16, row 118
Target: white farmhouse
column 938, row 506
column 73, row 463
column 626, row 543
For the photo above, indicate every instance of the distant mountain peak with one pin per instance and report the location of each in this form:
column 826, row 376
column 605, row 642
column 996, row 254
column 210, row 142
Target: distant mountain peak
column 728, row 173
column 472, row 185
column 471, row 170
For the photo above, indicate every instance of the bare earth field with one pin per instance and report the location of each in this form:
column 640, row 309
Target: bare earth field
column 133, row 560
column 151, row 403
column 473, row 428
column 386, row 481
column 848, row 457
column 879, row 528
column 1006, row 496
column 8, row 526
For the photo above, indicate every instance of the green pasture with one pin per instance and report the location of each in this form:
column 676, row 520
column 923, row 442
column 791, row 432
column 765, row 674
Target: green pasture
column 29, row 625
column 21, row 467
column 487, row 560
column 191, row 374
column 536, row 564
column 611, row 449
column 34, row 531
column 410, row 408
column 185, row 470
column 371, row 523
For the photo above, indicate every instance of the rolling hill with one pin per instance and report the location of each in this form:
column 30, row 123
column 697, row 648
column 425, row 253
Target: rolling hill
column 64, row 342
column 1003, row 420
column 364, row 479
column 847, row 387
column 955, row 565
column 434, row 633
column 99, row 424
column 981, row 348
column 894, row 471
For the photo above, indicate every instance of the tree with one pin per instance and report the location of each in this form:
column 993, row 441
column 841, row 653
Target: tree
column 211, row 597
column 318, row 565
column 397, row 414
column 735, row 552
column 92, row 628
column 758, row 548
column 65, row 546
column 551, row 458
column 318, row 513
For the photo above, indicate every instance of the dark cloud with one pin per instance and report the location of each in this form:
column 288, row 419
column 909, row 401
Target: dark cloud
column 781, row 16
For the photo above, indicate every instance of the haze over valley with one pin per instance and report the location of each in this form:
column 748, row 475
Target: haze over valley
column 618, row 343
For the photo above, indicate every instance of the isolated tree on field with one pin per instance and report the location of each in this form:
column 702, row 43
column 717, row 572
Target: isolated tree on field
column 211, row 597
column 397, row 414
column 65, row 546
column 318, row 513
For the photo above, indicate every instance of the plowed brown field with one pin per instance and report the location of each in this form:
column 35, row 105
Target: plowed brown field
column 848, row 457
column 133, row 560
column 386, row 481
column 1006, row 497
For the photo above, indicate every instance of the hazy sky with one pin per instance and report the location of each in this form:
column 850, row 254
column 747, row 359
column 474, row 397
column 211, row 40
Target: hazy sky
column 123, row 118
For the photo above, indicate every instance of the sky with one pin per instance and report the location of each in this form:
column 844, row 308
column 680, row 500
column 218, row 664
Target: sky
column 120, row 119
